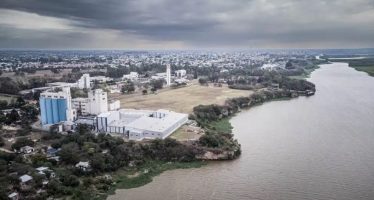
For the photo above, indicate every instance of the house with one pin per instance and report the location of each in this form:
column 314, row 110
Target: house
column 13, row 196
column 51, row 152
column 25, row 181
column 26, row 149
column 84, row 166
column 44, row 170
column 55, row 158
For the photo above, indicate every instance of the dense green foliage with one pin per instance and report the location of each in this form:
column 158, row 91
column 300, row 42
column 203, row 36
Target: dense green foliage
column 105, row 154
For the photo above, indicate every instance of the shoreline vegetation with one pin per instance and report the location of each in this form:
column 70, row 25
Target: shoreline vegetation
column 364, row 64
column 218, row 138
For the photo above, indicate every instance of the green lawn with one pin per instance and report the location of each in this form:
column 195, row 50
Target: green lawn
column 222, row 126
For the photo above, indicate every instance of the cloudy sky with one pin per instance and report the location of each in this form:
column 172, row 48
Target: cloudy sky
column 186, row 24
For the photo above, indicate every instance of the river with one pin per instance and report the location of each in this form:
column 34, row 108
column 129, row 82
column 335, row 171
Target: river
column 319, row 147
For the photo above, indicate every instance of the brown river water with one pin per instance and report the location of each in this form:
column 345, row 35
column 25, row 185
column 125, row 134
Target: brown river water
column 316, row 148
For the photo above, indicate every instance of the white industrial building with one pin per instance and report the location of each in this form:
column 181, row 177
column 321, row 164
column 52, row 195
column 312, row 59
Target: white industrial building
column 180, row 73
column 141, row 124
column 100, row 79
column 96, row 103
column 114, row 105
column 132, row 76
column 84, row 82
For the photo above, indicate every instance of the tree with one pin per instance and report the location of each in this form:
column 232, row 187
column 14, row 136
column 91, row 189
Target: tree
column 21, row 142
column 2, row 143
column 203, row 81
column 129, row 87
column 69, row 180
column 29, row 112
column 13, row 116
column 145, row 92
column 157, row 83
column 69, row 153
column 3, row 104
column 55, row 71
column 76, row 70
column 98, row 162
column 20, row 102
column 153, row 90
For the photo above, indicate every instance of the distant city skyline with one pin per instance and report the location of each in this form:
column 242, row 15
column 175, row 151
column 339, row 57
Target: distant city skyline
column 194, row 24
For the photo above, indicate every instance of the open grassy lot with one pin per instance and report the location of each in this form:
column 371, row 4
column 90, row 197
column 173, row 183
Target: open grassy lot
column 181, row 99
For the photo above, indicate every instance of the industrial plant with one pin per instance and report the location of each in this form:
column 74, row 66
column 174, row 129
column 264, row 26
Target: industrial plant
column 57, row 107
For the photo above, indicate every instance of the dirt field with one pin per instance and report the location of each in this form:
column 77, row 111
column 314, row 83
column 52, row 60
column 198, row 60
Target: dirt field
column 181, row 99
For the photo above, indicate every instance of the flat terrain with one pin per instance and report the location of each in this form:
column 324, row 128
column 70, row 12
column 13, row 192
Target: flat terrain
column 181, row 99
column 187, row 133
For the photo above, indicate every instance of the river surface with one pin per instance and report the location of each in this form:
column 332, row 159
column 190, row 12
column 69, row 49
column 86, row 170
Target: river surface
column 318, row 148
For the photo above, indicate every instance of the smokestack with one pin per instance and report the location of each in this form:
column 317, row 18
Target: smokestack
column 168, row 75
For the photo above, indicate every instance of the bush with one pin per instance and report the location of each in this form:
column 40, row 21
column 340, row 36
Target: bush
column 21, row 142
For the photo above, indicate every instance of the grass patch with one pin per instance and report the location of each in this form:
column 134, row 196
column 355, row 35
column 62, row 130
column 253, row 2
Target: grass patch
column 221, row 126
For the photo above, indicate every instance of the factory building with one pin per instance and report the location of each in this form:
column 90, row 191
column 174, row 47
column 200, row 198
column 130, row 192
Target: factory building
column 133, row 76
column 55, row 107
column 96, row 103
column 180, row 73
column 100, row 79
column 140, row 124
column 84, row 82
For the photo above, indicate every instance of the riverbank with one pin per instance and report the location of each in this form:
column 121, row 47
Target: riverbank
column 364, row 64
column 218, row 142
column 127, row 179
column 299, row 145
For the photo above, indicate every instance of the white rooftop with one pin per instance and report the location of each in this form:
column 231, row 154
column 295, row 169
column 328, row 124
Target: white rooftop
column 14, row 194
column 42, row 168
column 25, row 178
column 157, row 124
column 82, row 164
column 143, row 119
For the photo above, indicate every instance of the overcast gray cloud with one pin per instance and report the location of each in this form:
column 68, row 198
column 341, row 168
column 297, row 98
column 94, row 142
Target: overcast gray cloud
column 149, row 24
